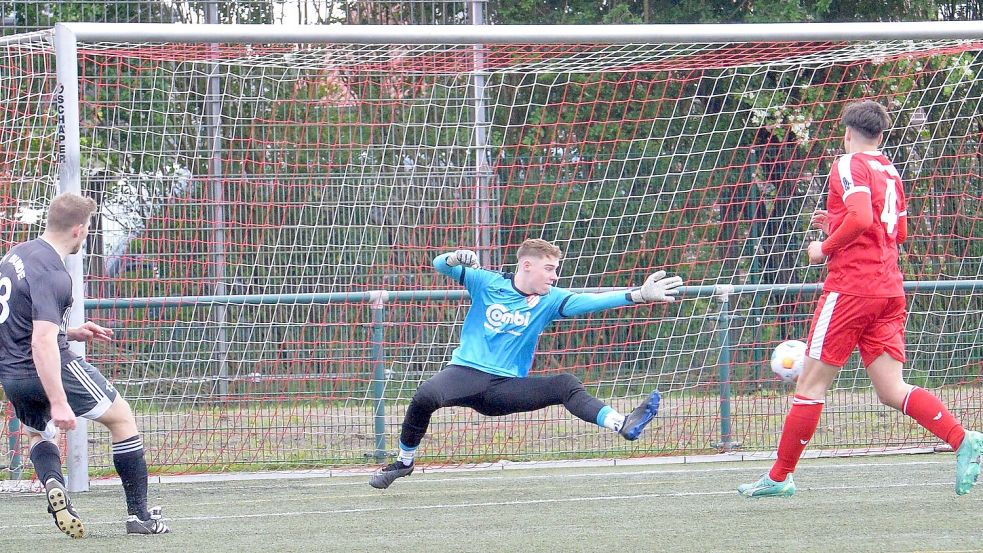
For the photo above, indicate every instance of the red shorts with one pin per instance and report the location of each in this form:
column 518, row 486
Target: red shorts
column 842, row 322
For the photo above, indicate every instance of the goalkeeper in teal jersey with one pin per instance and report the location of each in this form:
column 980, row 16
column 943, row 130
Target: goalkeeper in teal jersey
column 489, row 371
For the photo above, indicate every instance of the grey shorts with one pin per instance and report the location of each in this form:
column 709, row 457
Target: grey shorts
column 89, row 395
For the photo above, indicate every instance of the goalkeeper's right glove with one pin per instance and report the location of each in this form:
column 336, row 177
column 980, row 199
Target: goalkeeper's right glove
column 463, row 257
column 657, row 288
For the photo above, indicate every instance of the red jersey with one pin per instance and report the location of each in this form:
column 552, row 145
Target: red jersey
column 868, row 266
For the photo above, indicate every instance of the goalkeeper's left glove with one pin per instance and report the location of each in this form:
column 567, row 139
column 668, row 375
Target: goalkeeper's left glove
column 657, row 287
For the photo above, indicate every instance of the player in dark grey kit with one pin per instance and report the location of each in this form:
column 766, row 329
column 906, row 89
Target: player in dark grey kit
column 47, row 384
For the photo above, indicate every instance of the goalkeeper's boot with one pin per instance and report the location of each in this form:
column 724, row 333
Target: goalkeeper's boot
column 60, row 507
column 640, row 417
column 766, row 487
column 968, row 461
column 153, row 525
column 385, row 477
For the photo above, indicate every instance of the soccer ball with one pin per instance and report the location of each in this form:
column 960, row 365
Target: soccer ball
column 787, row 360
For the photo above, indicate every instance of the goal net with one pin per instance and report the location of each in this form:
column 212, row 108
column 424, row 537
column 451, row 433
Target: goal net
column 296, row 178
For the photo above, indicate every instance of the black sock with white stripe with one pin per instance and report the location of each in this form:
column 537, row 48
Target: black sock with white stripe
column 132, row 469
column 47, row 462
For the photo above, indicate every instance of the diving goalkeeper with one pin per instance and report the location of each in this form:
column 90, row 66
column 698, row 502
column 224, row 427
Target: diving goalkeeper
column 489, row 371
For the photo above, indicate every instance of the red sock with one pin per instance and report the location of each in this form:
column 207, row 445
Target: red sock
column 929, row 411
column 800, row 425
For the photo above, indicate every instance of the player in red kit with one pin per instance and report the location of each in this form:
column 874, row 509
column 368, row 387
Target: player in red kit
column 863, row 305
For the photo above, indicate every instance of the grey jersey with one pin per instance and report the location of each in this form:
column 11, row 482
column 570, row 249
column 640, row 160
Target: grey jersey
column 34, row 286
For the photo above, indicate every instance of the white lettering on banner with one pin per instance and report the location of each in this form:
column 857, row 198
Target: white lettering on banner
column 60, row 129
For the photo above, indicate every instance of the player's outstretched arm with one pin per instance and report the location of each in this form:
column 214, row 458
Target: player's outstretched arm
column 657, row 287
column 590, row 302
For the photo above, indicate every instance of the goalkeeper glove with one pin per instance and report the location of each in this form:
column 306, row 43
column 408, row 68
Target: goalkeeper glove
column 657, row 287
column 463, row 257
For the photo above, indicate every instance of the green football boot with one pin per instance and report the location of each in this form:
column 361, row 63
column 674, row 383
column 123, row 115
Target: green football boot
column 968, row 462
column 766, row 487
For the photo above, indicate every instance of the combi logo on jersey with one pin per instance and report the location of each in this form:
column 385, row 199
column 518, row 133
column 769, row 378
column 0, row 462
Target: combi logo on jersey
column 497, row 316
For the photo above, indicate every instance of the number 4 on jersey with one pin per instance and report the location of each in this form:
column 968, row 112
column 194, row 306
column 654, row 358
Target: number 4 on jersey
column 889, row 215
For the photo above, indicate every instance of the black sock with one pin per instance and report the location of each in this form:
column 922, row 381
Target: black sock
column 132, row 469
column 47, row 461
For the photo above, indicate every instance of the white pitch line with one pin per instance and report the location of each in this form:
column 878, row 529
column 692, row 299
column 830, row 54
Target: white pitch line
column 362, row 481
column 505, row 465
column 499, row 478
column 466, row 505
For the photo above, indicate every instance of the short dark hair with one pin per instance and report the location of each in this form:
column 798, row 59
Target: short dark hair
column 867, row 117
column 68, row 210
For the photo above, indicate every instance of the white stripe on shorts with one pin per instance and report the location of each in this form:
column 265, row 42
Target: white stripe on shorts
column 102, row 402
column 822, row 326
column 85, row 380
column 99, row 410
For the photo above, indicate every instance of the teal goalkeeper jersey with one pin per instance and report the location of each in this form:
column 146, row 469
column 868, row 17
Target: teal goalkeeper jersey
column 503, row 325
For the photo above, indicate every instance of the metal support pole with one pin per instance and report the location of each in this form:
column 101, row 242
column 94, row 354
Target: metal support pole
column 482, row 156
column 378, row 307
column 723, row 364
column 213, row 125
column 69, row 159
